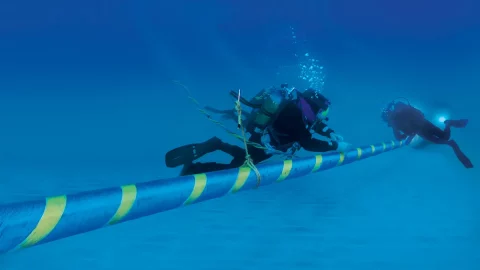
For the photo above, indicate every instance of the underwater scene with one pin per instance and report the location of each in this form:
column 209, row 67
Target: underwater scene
column 232, row 135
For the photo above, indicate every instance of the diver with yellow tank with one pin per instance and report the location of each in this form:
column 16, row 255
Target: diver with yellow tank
column 282, row 121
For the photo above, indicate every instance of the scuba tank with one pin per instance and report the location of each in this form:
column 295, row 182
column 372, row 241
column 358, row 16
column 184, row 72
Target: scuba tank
column 264, row 115
column 265, row 106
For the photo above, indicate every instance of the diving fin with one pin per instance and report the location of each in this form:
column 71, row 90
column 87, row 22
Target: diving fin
column 457, row 123
column 460, row 155
column 188, row 153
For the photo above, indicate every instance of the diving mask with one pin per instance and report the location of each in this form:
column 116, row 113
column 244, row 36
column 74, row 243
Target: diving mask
column 387, row 111
column 322, row 114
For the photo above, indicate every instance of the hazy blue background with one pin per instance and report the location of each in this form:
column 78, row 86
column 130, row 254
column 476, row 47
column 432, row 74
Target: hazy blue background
column 86, row 101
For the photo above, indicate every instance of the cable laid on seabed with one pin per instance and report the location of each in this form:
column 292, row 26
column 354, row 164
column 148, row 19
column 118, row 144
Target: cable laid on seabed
column 26, row 224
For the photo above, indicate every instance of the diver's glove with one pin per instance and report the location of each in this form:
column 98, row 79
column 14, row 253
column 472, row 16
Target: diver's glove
column 343, row 147
column 269, row 149
column 335, row 137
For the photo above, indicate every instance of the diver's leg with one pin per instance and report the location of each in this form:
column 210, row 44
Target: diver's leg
column 218, row 111
column 232, row 150
column 444, row 135
column 238, row 161
column 460, row 155
column 237, row 153
column 188, row 153
column 434, row 134
column 227, row 114
column 205, row 167
column 257, row 154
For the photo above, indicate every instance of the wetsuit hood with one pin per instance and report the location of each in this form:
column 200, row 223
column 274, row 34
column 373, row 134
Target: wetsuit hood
column 387, row 112
column 312, row 103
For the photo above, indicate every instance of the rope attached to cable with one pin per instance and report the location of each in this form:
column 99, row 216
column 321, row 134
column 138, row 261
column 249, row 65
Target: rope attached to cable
column 243, row 138
column 248, row 158
column 216, row 122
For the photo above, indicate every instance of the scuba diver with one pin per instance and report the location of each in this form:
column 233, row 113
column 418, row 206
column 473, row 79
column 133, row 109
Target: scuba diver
column 282, row 121
column 407, row 121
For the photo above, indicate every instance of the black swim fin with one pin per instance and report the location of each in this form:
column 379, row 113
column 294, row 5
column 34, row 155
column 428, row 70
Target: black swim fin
column 461, row 123
column 186, row 154
column 460, row 155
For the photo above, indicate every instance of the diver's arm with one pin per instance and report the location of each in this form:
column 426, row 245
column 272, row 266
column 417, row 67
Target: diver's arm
column 323, row 129
column 399, row 135
column 315, row 145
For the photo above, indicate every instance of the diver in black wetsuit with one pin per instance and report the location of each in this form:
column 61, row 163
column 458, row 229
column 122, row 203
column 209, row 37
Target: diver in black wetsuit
column 289, row 126
column 407, row 121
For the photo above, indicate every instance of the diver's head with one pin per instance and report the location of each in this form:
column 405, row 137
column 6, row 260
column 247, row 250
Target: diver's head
column 387, row 112
column 390, row 108
column 314, row 105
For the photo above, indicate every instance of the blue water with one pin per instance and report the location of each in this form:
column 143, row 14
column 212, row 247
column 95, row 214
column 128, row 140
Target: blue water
column 87, row 101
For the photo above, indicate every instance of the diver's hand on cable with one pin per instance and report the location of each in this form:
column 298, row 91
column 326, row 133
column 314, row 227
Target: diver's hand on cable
column 335, row 137
column 409, row 139
column 343, row 146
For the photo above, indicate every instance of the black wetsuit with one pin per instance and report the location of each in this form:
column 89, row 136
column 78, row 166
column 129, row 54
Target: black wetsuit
column 407, row 121
column 288, row 128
